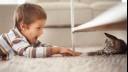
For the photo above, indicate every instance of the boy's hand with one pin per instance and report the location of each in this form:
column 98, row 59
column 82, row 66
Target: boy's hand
column 68, row 52
column 64, row 51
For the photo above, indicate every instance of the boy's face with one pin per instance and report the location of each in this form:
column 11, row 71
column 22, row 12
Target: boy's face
column 33, row 31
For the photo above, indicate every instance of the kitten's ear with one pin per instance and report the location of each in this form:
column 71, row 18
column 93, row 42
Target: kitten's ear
column 110, row 36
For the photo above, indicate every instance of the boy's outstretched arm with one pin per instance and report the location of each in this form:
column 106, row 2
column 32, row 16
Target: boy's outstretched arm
column 64, row 51
column 23, row 48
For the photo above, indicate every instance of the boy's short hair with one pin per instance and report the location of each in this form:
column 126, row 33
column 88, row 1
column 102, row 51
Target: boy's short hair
column 28, row 13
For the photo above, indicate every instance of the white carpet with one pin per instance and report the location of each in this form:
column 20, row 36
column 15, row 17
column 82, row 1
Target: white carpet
column 83, row 63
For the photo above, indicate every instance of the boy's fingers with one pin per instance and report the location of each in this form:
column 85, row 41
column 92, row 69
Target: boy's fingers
column 66, row 54
column 71, row 52
column 74, row 53
column 78, row 53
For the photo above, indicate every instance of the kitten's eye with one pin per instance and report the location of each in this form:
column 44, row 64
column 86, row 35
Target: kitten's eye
column 110, row 43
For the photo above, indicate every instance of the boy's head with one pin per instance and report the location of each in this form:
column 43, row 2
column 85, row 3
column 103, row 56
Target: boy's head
column 30, row 20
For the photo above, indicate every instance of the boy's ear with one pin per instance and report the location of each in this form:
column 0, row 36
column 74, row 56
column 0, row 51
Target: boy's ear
column 23, row 26
column 110, row 36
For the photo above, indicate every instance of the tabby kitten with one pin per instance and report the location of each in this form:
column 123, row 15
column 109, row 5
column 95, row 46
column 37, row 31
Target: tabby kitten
column 113, row 45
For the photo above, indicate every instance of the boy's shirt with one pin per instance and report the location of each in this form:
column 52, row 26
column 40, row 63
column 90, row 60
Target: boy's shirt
column 15, row 43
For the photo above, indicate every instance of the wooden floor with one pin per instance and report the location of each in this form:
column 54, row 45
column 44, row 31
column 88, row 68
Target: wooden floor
column 57, row 63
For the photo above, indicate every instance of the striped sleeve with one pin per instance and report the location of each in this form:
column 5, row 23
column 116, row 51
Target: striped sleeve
column 4, row 55
column 6, row 52
column 24, row 49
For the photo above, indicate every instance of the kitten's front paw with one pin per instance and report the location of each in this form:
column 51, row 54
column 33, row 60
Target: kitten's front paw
column 90, row 54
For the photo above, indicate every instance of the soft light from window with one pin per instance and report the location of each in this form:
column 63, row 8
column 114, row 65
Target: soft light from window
column 21, row 1
column 12, row 1
column 124, row 0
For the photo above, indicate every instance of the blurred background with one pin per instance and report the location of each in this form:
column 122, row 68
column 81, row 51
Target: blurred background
column 58, row 27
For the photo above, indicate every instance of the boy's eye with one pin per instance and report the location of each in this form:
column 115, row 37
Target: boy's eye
column 39, row 27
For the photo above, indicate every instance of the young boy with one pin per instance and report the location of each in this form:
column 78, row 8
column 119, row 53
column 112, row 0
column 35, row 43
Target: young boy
column 29, row 20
